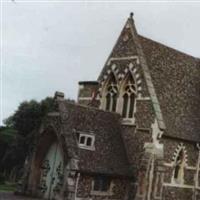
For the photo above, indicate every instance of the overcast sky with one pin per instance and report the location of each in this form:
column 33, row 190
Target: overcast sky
column 50, row 46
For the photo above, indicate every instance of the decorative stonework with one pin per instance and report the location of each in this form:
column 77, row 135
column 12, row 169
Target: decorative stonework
column 123, row 58
column 180, row 147
column 60, row 175
column 120, row 75
column 45, row 170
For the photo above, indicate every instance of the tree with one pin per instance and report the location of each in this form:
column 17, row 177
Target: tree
column 17, row 137
column 7, row 137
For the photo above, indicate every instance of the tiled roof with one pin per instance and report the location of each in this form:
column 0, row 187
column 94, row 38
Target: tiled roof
column 109, row 156
column 175, row 77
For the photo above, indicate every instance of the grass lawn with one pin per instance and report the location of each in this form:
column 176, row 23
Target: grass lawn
column 7, row 187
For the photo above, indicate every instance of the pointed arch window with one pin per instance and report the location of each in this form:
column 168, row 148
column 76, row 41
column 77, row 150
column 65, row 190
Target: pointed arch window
column 178, row 175
column 111, row 94
column 129, row 95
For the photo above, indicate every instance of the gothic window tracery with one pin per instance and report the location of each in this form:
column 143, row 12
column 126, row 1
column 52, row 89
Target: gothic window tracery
column 111, row 94
column 129, row 95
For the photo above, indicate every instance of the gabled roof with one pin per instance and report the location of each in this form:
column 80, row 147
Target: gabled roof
column 172, row 79
column 133, row 48
column 109, row 156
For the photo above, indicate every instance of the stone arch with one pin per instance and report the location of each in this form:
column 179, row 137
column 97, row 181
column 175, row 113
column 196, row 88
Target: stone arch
column 180, row 147
column 109, row 92
column 179, row 163
column 111, row 71
column 127, row 76
column 129, row 90
column 133, row 71
column 47, row 137
column 128, row 93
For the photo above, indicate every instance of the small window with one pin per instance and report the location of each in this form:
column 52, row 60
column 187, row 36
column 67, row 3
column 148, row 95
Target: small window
column 86, row 141
column 82, row 140
column 89, row 141
column 101, row 183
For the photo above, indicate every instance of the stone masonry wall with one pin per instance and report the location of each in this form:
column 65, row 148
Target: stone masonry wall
column 117, row 191
column 185, row 190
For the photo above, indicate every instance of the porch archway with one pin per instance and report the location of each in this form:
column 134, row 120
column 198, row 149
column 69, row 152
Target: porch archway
column 47, row 168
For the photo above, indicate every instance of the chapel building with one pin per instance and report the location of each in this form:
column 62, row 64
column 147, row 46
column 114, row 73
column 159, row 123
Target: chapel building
column 133, row 134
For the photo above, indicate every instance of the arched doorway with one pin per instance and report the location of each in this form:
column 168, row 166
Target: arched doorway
column 51, row 177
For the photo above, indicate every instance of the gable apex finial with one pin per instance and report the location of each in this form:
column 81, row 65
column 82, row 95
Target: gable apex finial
column 131, row 15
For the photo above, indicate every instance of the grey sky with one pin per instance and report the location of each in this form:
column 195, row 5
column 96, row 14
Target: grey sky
column 51, row 46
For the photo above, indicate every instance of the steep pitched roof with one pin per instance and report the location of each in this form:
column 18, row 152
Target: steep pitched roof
column 175, row 77
column 109, row 156
column 172, row 79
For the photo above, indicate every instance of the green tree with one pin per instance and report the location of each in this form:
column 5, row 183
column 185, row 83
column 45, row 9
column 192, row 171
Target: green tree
column 7, row 137
column 16, row 139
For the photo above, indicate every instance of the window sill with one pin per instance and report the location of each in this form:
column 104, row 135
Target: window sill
column 86, row 148
column 128, row 121
column 177, row 185
column 177, row 182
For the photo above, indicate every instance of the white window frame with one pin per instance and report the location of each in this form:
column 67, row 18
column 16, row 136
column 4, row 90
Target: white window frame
column 84, row 145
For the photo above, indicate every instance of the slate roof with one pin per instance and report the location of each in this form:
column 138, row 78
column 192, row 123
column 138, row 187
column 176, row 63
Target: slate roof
column 175, row 77
column 109, row 156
